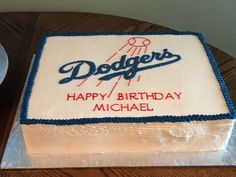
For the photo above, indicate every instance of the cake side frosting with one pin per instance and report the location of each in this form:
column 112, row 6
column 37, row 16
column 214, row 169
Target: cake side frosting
column 125, row 78
column 129, row 137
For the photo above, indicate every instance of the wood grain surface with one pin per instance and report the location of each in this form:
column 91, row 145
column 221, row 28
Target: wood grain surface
column 20, row 33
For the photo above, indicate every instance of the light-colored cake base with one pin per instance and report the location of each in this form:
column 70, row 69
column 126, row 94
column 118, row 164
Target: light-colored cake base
column 128, row 137
column 188, row 87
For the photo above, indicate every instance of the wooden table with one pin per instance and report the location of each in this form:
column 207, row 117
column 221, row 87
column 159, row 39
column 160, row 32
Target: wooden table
column 20, row 33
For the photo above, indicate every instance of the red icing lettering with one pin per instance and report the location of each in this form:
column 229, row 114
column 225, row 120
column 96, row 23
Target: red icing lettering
column 159, row 96
column 99, row 107
column 80, row 96
column 103, row 95
column 85, row 96
column 120, row 96
column 113, row 109
column 143, row 106
column 88, row 95
column 141, row 95
column 133, row 107
column 133, row 96
column 148, row 108
column 70, row 96
column 178, row 95
column 168, row 95
column 126, row 106
column 123, row 107
column 94, row 95
column 150, row 96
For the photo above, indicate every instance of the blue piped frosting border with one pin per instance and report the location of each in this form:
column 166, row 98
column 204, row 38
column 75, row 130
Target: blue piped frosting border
column 24, row 111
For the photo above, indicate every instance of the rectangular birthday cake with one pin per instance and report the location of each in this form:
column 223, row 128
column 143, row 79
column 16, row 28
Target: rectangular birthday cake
column 125, row 92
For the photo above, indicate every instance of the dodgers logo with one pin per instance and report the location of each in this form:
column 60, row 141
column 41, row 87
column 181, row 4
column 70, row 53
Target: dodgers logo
column 126, row 67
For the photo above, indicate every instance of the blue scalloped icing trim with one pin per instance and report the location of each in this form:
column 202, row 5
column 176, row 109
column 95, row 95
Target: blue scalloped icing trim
column 167, row 118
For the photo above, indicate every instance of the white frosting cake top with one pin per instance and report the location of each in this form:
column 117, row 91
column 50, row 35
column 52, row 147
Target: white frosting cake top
column 116, row 77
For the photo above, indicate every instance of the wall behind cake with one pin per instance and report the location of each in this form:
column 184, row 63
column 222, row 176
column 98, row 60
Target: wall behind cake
column 216, row 19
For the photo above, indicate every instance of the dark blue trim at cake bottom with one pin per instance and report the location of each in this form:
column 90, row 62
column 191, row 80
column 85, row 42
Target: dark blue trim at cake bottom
column 167, row 118
column 127, row 119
